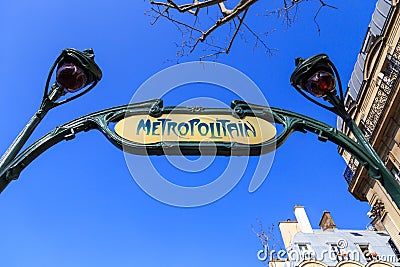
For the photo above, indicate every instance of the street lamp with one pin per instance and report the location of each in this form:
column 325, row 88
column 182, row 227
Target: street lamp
column 76, row 73
column 314, row 78
column 317, row 76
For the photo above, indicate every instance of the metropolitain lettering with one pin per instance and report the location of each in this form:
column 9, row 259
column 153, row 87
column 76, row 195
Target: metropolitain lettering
column 216, row 129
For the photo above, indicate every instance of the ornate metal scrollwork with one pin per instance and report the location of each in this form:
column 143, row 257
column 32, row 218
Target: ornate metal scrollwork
column 102, row 120
column 388, row 82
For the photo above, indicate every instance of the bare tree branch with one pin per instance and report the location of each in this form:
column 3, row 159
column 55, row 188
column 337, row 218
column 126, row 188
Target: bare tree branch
column 289, row 18
column 267, row 239
column 216, row 15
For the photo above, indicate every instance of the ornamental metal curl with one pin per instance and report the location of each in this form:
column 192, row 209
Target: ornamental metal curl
column 103, row 120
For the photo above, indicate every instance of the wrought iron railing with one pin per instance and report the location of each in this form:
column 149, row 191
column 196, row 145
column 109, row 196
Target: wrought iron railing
column 389, row 79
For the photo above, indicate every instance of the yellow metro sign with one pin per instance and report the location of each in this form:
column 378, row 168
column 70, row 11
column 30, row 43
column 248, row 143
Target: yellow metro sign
column 176, row 127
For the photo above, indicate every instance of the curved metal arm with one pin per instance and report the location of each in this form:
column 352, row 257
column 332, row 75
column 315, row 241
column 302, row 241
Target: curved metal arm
column 23, row 136
column 98, row 120
column 85, row 59
column 305, row 68
column 101, row 120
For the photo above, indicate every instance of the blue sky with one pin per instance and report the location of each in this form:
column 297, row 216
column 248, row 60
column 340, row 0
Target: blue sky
column 77, row 204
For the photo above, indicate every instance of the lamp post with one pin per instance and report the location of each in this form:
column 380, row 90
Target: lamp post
column 77, row 70
column 316, row 76
column 76, row 73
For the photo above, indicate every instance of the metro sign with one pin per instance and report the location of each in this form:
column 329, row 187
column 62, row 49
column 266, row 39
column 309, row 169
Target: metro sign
column 148, row 128
column 187, row 130
column 145, row 129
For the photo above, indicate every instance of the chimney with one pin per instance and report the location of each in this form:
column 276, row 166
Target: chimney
column 326, row 222
column 302, row 220
column 288, row 230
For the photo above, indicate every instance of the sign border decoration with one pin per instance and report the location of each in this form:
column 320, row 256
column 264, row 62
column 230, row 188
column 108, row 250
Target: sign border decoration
column 102, row 120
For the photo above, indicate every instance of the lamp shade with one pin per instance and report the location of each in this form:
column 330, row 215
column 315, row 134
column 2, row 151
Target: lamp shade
column 71, row 77
column 314, row 75
column 320, row 84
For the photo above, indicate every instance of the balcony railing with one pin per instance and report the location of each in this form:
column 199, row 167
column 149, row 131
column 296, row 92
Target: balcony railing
column 389, row 80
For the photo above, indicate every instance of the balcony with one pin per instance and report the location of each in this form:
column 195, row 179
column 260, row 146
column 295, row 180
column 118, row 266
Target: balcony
column 388, row 81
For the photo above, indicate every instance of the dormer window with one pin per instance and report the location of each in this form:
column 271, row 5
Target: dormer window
column 369, row 40
column 306, row 252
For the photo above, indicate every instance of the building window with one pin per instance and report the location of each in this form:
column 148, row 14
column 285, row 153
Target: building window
column 369, row 40
column 356, row 234
column 382, row 234
column 306, row 252
column 335, row 249
column 336, row 252
column 396, row 173
column 303, row 247
column 365, row 250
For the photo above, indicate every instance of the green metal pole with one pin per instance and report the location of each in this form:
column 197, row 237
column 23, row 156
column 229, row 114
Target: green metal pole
column 23, row 136
column 304, row 79
column 383, row 174
column 379, row 171
column 83, row 60
column 102, row 120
